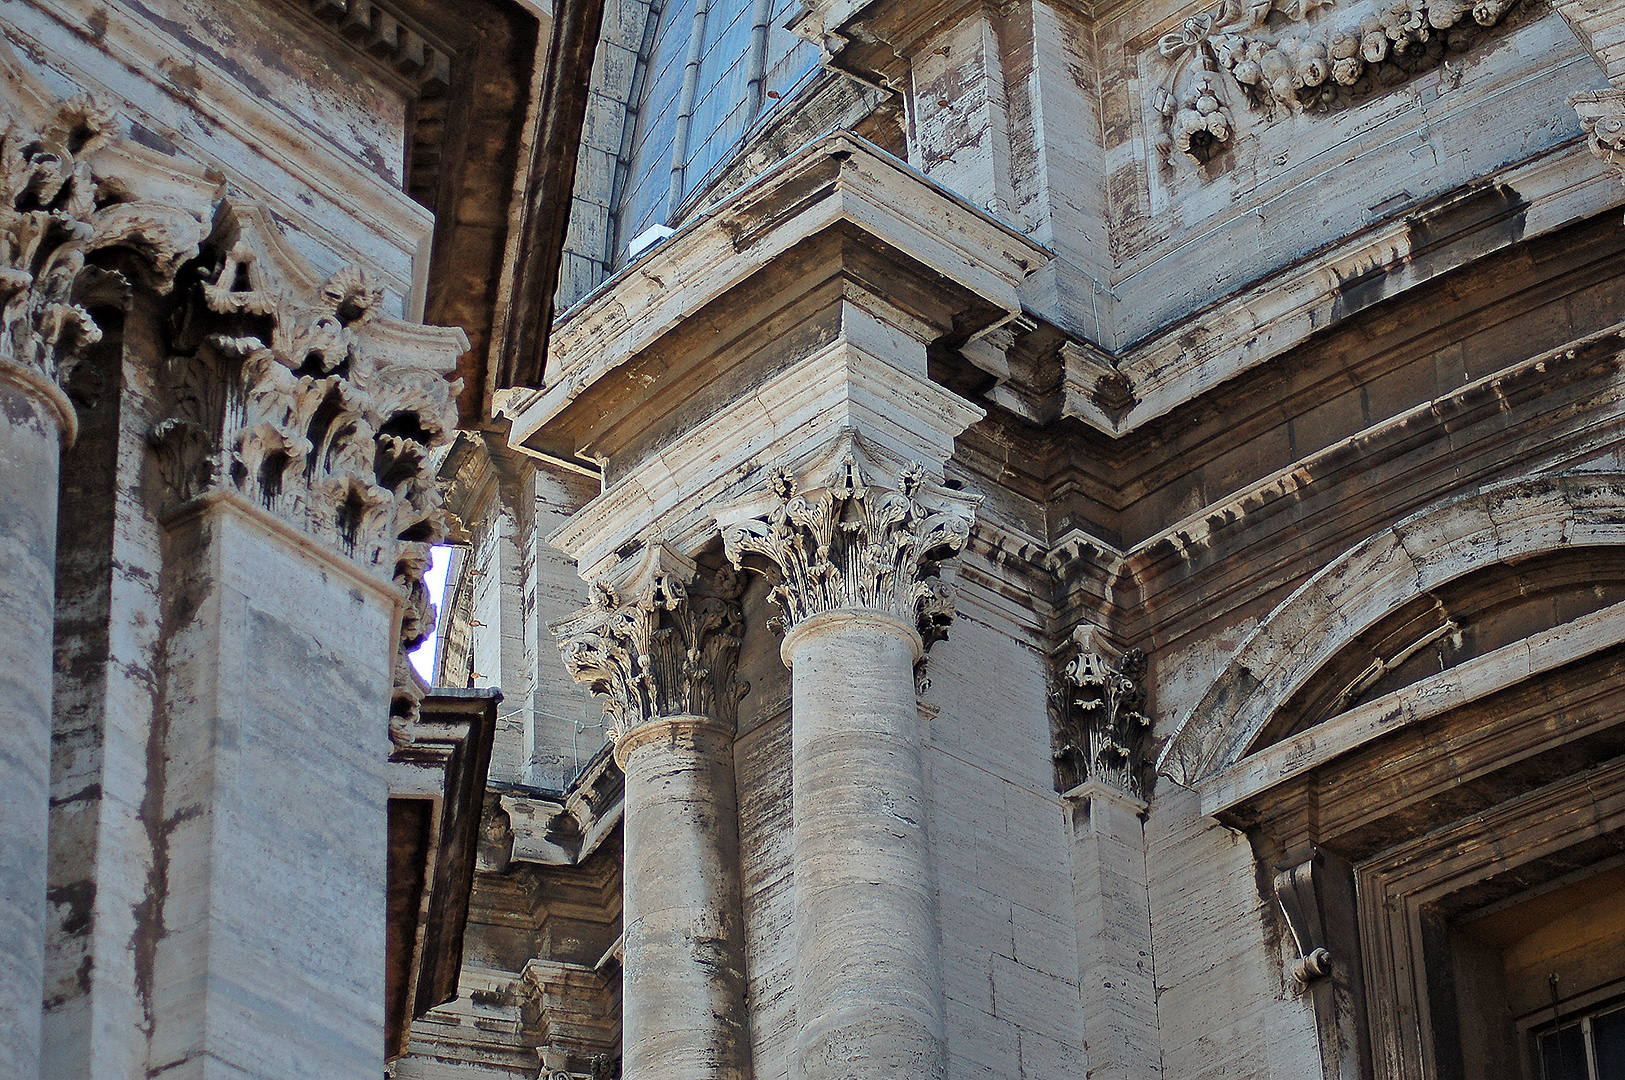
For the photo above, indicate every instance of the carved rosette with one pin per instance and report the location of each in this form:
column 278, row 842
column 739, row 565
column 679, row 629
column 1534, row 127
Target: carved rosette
column 665, row 650
column 1602, row 118
column 56, row 213
column 1103, row 722
column 300, row 394
column 851, row 543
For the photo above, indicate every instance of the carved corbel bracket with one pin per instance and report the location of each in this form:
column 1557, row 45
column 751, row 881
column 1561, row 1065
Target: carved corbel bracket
column 663, row 643
column 1298, row 893
column 1103, row 721
column 1602, row 118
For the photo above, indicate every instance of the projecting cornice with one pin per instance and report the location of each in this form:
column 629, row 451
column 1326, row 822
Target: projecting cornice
column 750, row 341
column 969, row 266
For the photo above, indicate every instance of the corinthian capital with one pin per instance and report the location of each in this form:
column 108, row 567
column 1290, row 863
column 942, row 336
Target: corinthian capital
column 661, row 649
column 1103, row 722
column 855, row 539
column 55, row 212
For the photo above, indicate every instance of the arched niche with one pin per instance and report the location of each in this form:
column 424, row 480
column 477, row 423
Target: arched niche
column 1426, row 745
column 1499, row 525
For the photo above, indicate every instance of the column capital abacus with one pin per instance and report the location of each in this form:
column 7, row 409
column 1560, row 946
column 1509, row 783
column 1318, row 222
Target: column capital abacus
column 853, row 535
column 665, row 646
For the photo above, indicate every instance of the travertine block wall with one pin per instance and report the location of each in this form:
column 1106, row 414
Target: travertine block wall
column 1214, row 927
column 223, row 679
column 1217, row 377
column 999, row 833
column 1005, row 112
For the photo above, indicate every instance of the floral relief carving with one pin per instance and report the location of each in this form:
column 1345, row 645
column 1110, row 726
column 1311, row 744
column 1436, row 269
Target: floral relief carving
column 1299, row 56
column 295, row 391
column 1103, row 721
column 663, row 650
column 302, row 395
column 56, row 214
column 852, row 543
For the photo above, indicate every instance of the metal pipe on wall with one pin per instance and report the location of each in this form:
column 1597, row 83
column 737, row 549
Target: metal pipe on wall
column 685, row 109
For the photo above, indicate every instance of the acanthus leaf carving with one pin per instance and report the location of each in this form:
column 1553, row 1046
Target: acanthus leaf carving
column 56, row 215
column 661, row 647
column 299, row 393
column 1299, row 56
column 1103, row 721
column 852, row 543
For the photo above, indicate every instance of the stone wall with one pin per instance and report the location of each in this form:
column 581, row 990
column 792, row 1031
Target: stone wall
column 1281, row 354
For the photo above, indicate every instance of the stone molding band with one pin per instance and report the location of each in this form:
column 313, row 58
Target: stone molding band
column 224, row 499
column 824, row 621
column 32, row 382
column 666, row 726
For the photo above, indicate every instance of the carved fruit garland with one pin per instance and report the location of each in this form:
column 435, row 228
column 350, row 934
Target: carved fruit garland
column 1299, row 55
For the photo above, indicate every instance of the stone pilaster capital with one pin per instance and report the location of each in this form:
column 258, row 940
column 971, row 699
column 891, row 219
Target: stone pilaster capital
column 300, row 393
column 853, row 532
column 1102, row 715
column 56, row 212
column 665, row 644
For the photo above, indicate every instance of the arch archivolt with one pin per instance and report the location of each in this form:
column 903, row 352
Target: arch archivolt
column 1499, row 524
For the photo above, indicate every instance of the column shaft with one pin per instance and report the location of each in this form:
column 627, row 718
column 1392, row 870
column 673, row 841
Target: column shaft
column 683, row 1003
column 30, row 449
column 869, row 982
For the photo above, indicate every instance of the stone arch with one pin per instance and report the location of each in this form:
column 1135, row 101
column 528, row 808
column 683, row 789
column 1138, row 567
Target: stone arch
column 1469, row 532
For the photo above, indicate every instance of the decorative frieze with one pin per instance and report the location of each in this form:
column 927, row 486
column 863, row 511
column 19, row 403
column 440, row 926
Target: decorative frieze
column 665, row 648
column 55, row 214
column 302, row 395
column 854, row 541
column 1299, row 56
column 1102, row 721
